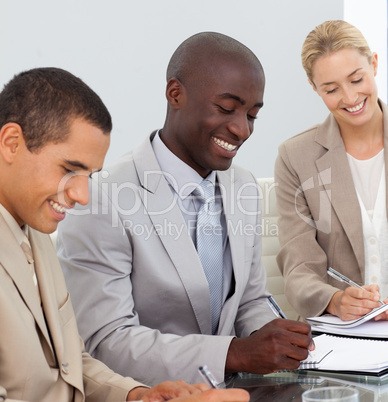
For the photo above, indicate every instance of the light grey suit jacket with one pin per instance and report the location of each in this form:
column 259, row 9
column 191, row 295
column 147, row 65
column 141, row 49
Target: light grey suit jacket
column 320, row 218
column 38, row 361
column 148, row 312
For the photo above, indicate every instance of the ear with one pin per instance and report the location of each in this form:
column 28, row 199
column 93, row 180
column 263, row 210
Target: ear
column 11, row 139
column 374, row 63
column 175, row 92
column 313, row 85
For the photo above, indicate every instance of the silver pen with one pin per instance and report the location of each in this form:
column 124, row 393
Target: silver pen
column 342, row 278
column 275, row 307
column 208, row 376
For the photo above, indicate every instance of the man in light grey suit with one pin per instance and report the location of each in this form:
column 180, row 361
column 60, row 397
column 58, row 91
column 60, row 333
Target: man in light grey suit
column 149, row 311
column 51, row 123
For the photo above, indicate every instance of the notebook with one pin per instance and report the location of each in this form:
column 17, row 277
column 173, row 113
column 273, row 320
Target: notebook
column 333, row 321
column 350, row 355
column 369, row 329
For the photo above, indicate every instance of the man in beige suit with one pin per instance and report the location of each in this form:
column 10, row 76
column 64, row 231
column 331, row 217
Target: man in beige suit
column 52, row 124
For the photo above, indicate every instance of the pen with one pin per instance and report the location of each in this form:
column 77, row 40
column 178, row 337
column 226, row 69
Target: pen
column 279, row 313
column 208, row 376
column 275, row 307
column 342, row 278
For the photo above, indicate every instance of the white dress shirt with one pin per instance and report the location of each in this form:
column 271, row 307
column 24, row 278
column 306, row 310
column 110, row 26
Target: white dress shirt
column 182, row 180
column 369, row 180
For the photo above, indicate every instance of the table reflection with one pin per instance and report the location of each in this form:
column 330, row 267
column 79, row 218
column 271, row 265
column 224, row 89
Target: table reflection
column 290, row 385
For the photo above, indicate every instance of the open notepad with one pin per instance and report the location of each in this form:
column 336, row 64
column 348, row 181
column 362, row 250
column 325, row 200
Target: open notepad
column 369, row 329
column 364, row 327
column 333, row 321
column 335, row 353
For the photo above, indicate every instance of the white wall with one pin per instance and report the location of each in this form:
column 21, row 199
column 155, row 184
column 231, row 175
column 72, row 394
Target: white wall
column 371, row 19
column 121, row 49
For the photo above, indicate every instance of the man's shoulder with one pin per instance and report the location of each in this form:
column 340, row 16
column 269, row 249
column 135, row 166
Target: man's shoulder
column 125, row 165
column 236, row 173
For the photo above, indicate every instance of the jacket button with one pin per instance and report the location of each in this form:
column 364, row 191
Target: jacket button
column 65, row 369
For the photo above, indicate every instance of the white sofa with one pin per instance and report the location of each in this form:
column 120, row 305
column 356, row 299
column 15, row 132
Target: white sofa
column 275, row 282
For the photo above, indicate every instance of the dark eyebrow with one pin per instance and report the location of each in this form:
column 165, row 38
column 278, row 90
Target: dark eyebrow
column 76, row 164
column 81, row 166
column 228, row 95
column 354, row 72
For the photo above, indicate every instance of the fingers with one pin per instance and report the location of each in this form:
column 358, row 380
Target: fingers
column 382, row 317
column 288, row 343
column 280, row 344
column 236, row 395
column 201, row 386
column 293, row 326
column 372, row 288
column 353, row 303
column 172, row 389
column 367, row 293
column 217, row 395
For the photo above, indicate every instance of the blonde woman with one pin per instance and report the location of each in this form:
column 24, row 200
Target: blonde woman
column 332, row 183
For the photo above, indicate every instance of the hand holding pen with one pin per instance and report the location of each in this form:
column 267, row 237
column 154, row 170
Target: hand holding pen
column 350, row 304
column 342, row 278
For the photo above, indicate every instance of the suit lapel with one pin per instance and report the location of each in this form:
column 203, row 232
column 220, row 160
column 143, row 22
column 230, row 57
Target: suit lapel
column 162, row 208
column 43, row 270
column 336, row 178
column 14, row 262
column 234, row 218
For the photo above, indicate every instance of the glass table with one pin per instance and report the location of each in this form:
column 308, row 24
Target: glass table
column 289, row 385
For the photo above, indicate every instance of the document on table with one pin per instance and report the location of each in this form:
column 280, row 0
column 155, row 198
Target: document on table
column 349, row 355
column 334, row 321
column 369, row 329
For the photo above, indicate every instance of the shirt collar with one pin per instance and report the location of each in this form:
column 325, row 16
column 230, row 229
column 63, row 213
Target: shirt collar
column 187, row 179
column 17, row 231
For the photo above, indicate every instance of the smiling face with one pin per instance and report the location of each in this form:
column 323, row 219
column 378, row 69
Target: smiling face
column 211, row 117
column 345, row 82
column 41, row 185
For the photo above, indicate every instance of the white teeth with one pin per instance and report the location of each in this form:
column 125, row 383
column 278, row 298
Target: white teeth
column 58, row 207
column 355, row 108
column 224, row 144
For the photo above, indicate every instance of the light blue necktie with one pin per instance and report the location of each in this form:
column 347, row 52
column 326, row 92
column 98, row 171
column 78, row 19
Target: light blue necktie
column 210, row 247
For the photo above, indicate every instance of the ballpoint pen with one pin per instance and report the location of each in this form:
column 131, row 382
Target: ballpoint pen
column 275, row 307
column 279, row 313
column 208, row 376
column 342, row 278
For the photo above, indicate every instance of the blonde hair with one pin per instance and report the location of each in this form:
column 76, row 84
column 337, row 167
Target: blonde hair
column 332, row 36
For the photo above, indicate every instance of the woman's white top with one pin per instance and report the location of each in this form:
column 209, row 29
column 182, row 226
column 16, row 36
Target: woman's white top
column 369, row 181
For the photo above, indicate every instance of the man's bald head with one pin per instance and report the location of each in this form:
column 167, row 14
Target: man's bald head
column 198, row 56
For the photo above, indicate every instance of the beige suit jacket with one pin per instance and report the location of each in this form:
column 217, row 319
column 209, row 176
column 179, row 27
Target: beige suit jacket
column 41, row 356
column 320, row 218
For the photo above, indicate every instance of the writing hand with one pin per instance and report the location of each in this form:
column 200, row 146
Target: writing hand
column 353, row 303
column 280, row 344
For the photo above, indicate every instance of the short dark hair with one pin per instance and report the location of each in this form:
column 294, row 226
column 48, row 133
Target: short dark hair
column 195, row 56
column 45, row 101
